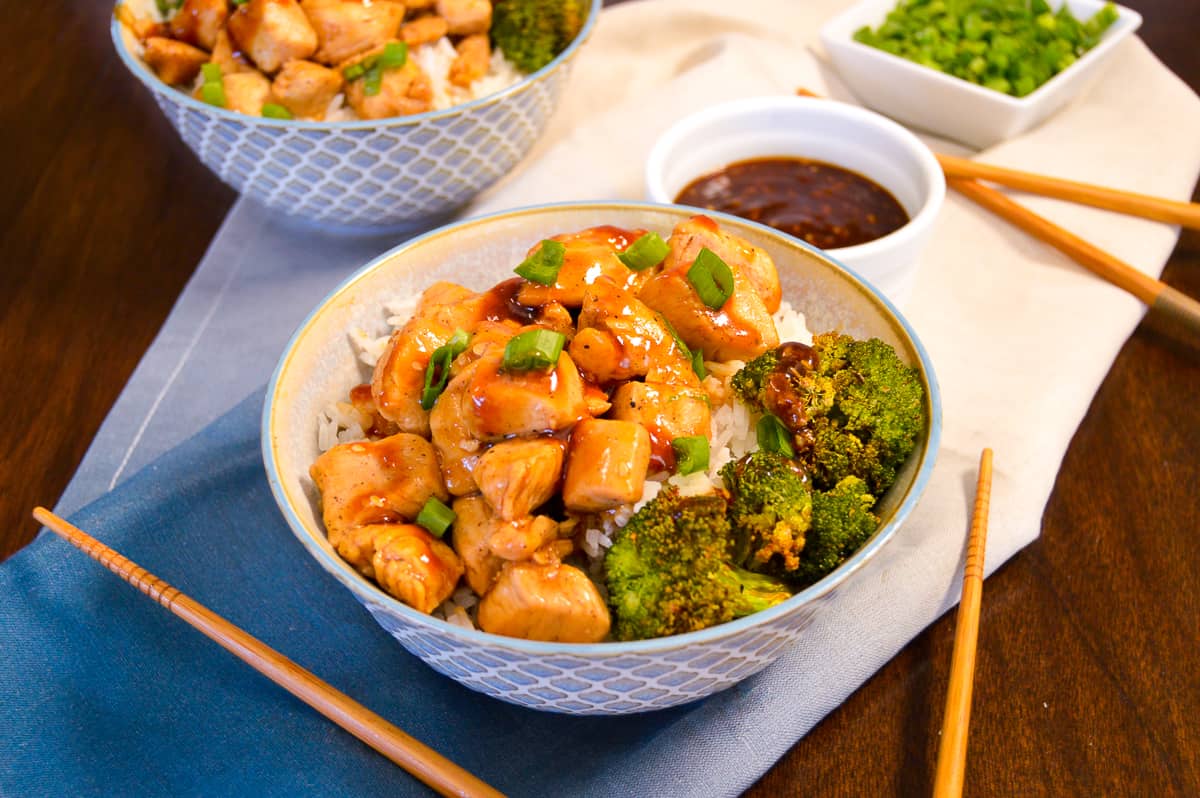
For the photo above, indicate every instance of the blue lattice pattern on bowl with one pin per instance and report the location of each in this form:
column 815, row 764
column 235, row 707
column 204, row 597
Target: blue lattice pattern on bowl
column 384, row 173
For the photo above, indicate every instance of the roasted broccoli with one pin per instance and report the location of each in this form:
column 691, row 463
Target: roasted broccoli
column 853, row 406
column 532, row 32
column 841, row 522
column 770, row 512
column 667, row 571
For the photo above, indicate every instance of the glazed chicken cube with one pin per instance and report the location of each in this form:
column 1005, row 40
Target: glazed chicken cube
column 464, row 17
column 356, row 545
column 272, row 32
column 247, row 91
column 606, row 464
column 306, row 89
column 423, row 30
column 518, row 476
column 399, row 375
column 471, row 63
column 402, row 90
column 700, row 232
column 545, row 601
column 415, row 567
column 174, row 62
column 371, row 482
column 457, row 448
column 590, row 254
column 666, row 412
column 473, row 527
column 500, row 403
column 619, row 338
column 346, row 28
column 518, row 540
column 223, row 55
column 739, row 330
column 199, row 22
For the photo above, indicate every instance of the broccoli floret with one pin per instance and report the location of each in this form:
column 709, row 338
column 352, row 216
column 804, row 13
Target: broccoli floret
column 854, row 408
column 770, row 512
column 841, row 522
column 667, row 571
column 532, row 32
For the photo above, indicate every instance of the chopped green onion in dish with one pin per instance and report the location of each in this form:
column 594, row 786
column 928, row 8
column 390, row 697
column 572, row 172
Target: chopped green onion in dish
column 212, row 89
column 645, row 253
column 533, row 349
column 543, row 265
column 394, row 55
column 712, row 278
column 354, row 71
column 274, row 111
column 373, row 80
column 1010, row 46
column 691, row 454
column 698, row 364
column 370, row 69
column 436, row 517
column 437, row 373
column 774, row 436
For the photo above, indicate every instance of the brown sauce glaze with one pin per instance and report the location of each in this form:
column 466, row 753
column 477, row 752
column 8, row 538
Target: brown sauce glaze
column 823, row 204
column 500, row 303
column 783, row 396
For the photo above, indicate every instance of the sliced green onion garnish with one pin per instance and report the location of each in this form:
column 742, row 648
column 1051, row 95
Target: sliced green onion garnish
column 543, row 265
column 436, row 517
column 533, row 349
column 240, row 2
column 212, row 89
column 354, row 71
column 712, row 279
column 373, row 80
column 273, row 111
column 437, row 373
column 646, row 252
column 678, row 341
column 394, row 55
column 698, row 364
column 773, row 436
column 691, row 454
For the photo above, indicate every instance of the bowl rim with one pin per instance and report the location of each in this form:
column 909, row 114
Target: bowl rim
column 371, row 593
column 157, row 86
column 1127, row 22
column 926, row 162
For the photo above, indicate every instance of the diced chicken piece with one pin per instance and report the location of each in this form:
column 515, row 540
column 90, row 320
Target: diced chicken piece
column 590, row 254
column 399, row 375
column 174, row 62
column 231, row 61
column 739, row 330
column 346, row 28
column 423, row 30
column 372, row 482
column 373, row 424
column 551, row 601
column 471, row 63
column 501, row 403
column 620, row 338
column 402, row 91
column 415, row 567
column 473, row 526
column 518, row 476
column 246, row 92
column 595, row 399
column 356, row 546
column 606, row 465
column 142, row 27
column 464, row 17
column 700, row 232
column 554, row 316
column 518, row 540
column 666, row 412
column 272, row 32
column 553, row 552
column 458, row 449
column 199, row 21
column 306, row 89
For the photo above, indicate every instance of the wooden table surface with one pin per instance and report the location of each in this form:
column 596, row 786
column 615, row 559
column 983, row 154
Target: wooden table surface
column 1088, row 678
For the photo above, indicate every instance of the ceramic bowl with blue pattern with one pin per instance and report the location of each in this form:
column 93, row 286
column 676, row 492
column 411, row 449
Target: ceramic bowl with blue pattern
column 396, row 172
column 320, row 365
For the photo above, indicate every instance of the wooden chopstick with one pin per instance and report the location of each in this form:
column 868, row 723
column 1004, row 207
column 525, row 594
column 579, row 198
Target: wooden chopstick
column 1156, row 208
column 414, row 756
column 1161, row 297
column 952, row 752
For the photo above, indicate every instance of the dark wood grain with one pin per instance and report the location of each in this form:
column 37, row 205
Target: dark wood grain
column 1090, row 638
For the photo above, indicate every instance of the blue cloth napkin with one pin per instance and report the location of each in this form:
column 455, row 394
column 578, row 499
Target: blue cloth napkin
column 102, row 692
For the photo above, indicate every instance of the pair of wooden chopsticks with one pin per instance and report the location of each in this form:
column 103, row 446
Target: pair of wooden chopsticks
column 409, row 753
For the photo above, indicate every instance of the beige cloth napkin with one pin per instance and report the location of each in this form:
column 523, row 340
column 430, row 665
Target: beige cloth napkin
column 1019, row 335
